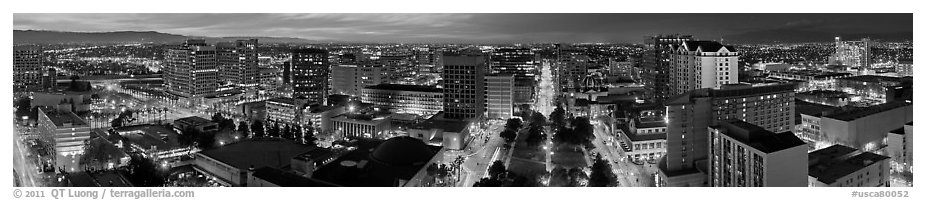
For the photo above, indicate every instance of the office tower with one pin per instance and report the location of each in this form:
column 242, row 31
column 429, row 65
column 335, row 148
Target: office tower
column 842, row 166
column 689, row 115
column 523, row 91
column 191, row 70
column 27, row 67
column 287, row 72
column 238, row 63
column 657, row 65
column 412, row 99
column 854, row 54
column 574, row 70
column 464, row 85
column 703, row 64
column 519, row 61
column 746, row 155
column 351, row 79
column 499, row 96
column 50, row 80
column 310, row 70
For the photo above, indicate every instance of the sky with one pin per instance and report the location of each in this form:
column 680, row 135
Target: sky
column 463, row 27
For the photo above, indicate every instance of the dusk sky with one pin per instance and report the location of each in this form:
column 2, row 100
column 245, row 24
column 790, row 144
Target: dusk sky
column 465, row 27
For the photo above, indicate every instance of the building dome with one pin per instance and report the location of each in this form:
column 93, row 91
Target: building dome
column 402, row 151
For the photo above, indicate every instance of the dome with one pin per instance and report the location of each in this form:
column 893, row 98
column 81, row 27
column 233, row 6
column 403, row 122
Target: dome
column 402, row 151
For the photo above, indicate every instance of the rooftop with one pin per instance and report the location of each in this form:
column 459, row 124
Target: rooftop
column 730, row 92
column 149, row 135
column 759, row 138
column 706, row 46
column 853, row 114
column 634, row 137
column 61, row 118
column 286, row 179
column 448, row 125
column 398, row 87
column 378, row 163
column 837, row 161
column 813, row 109
column 98, row 179
column 259, row 152
column 283, row 100
column 874, row 79
column 194, row 120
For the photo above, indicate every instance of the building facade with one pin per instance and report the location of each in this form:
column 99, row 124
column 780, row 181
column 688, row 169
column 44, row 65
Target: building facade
column 351, row 79
column 66, row 132
column 514, row 61
column 27, row 67
column 464, row 85
column 703, row 64
column 745, row 155
column 657, row 67
column 413, row 99
column 238, row 63
column 853, row 54
column 310, row 71
column 842, row 166
column 499, row 96
column 191, row 70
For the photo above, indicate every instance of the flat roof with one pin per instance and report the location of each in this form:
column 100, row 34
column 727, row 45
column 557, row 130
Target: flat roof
column 399, row 87
column 837, row 161
column 283, row 100
column 286, row 179
column 258, row 152
column 150, row 135
column 853, row 114
column 194, row 120
column 59, row 118
column 358, row 169
column 641, row 137
column 448, row 125
column 759, row 138
column 873, row 78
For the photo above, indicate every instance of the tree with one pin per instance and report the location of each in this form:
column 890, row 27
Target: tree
column 144, row 172
column 227, row 124
column 513, row 124
column 497, row 169
column 218, row 118
column 509, row 135
column 558, row 117
column 287, row 132
column 124, row 117
column 243, row 128
column 488, row 182
column 258, row 128
column 23, row 107
column 535, row 136
column 274, row 130
column 538, row 119
column 601, row 175
column 309, row 135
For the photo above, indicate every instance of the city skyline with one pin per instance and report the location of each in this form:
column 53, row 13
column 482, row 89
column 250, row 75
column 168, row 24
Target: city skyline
column 478, row 28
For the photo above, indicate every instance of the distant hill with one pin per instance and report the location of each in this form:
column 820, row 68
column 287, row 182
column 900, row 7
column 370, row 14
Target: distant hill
column 63, row 37
column 799, row 36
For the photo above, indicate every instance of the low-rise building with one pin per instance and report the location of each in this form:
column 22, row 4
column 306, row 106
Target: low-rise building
column 843, row 166
column 449, row 133
column 415, row 99
column 231, row 165
column 865, row 128
column 196, row 123
column 900, row 147
column 67, row 133
column 361, row 125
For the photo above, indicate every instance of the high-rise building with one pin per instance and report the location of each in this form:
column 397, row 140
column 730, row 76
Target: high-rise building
column 50, row 80
column 854, row 54
column 191, row 70
column 499, row 96
column 238, row 63
column 464, row 85
column 574, row 70
column 657, row 69
column 519, row 61
column 310, row 70
column 27, row 67
column 689, row 115
column 703, row 64
column 351, row 79
column 746, row 155
column 523, row 91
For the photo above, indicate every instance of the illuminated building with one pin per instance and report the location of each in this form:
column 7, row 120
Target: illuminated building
column 574, row 69
column 523, row 90
column 451, row 134
column 27, row 67
column 657, row 67
column 865, row 128
column 644, row 141
column 310, row 70
column 232, row 164
column 361, row 125
column 397, row 162
column 464, row 85
column 703, row 64
column 283, row 110
column 414, row 99
column 319, row 116
column 499, row 96
column 879, row 88
column 199, row 124
column 238, row 63
column 904, row 67
column 810, row 80
column 514, row 61
column 191, row 70
column 842, row 166
column 66, row 133
column 853, row 54
column 689, row 115
column 746, row 155
column 900, row 147
column 351, row 79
